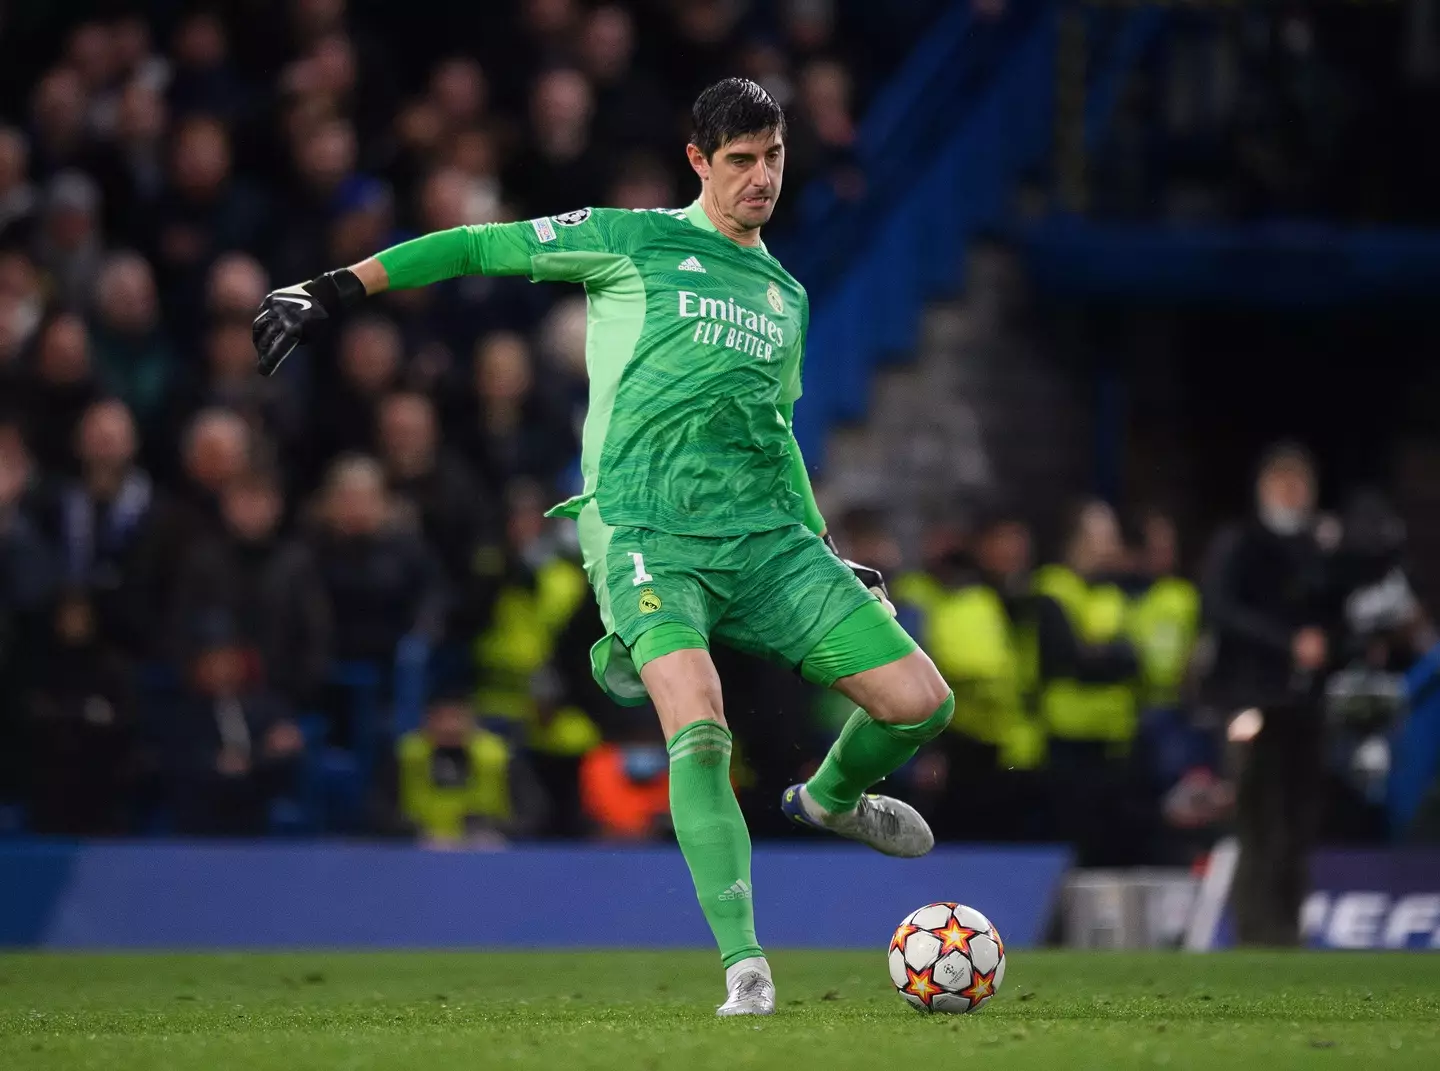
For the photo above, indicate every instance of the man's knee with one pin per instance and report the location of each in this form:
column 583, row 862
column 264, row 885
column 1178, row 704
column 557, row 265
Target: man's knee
column 906, row 692
column 685, row 688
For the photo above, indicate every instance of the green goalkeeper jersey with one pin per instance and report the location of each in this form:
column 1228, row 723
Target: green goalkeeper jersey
column 694, row 350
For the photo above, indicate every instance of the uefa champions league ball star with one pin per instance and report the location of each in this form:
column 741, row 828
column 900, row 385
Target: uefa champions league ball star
column 947, row 958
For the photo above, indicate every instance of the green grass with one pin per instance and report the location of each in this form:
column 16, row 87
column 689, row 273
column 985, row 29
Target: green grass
column 639, row 1011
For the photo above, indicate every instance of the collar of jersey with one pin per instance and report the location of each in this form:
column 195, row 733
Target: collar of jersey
column 697, row 216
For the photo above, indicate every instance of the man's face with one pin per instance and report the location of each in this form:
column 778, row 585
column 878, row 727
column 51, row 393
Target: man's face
column 743, row 177
column 107, row 437
column 217, row 454
column 252, row 512
column 1288, row 487
column 448, row 724
column 407, row 434
column 1005, row 549
column 1162, row 546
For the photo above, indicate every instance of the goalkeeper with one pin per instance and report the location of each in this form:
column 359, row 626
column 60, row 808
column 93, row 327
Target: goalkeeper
column 697, row 520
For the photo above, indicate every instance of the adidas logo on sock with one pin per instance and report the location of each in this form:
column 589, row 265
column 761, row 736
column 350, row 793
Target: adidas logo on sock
column 738, row 891
column 691, row 264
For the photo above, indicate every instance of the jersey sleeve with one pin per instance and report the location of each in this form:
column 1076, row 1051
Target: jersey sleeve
column 790, row 386
column 580, row 247
column 573, row 247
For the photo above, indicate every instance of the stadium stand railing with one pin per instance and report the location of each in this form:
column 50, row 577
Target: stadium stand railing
column 904, row 246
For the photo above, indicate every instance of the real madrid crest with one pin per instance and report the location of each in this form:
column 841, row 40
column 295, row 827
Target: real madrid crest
column 649, row 601
column 772, row 295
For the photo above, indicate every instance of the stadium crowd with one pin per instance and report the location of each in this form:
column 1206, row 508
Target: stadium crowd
column 216, row 585
column 329, row 601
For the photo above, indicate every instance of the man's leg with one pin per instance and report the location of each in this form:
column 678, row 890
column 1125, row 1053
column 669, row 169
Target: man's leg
column 802, row 606
column 903, row 703
column 681, row 679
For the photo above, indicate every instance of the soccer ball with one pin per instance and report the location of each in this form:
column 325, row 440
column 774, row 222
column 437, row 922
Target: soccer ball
column 947, row 958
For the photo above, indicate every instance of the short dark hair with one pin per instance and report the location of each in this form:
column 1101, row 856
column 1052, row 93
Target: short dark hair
column 733, row 108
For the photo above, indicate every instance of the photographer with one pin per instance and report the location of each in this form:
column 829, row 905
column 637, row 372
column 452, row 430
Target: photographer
column 1385, row 629
column 1269, row 605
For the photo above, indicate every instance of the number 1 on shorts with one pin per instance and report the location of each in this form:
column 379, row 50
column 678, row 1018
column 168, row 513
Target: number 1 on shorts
column 641, row 576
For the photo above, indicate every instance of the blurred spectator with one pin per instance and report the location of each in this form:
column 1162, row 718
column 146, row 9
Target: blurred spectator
column 504, row 424
column 133, row 53
column 363, row 222
column 1164, row 612
column 542, row 590
column 705, row 32
column 27, row 568
column 1091, row 717
column 642, row 182
column 269, row 586
column 131, row 166
column 62, row 390
column 203, row 80
column 133, row 357
column 235, row 286
column 18, row 199
column 458, row 92
column 68, row 246
column 808, row 27
column 227, row 380
column 27, row 581
column 765, row 63
column 625, row 782
column 454, row 514
column 452, row 778
column 541, row 36
column 82, row 715
column 821, row 141
column 92, row 54
column 629, row 105
column 561, row 168
column 59, row 137
column 382, row 581
column 1105, row 798
column 997, row 645
column 234, row 749
column 1163, row 626
column 370, row 358
column 325, row 155
column 99, row 518
column 216, row 449
column 21, row 308
column 1269, row 604
column 203, row 212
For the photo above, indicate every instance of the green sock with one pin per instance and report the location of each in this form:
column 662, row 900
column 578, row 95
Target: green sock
column 867, row 751
column 713, row 837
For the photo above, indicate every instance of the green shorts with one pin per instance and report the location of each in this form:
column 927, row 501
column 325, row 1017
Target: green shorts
column 773, row 594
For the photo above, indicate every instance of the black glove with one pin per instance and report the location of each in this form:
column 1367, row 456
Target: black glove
column 294, row 314
column 872, row 578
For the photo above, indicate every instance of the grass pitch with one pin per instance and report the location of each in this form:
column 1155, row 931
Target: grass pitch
column 638, row 1011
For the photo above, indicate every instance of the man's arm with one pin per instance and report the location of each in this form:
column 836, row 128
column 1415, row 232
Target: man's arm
column 538, row 248
column 800, row 475
column 872, row 578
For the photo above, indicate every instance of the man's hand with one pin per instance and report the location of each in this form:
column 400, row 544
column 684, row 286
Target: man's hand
column 294, row 314
column 872, row 578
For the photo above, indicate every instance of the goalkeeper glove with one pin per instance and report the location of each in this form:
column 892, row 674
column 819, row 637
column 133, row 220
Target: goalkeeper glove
column 293, row 314
column 872, row 578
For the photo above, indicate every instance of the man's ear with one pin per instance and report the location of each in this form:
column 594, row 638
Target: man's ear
column 698, row 162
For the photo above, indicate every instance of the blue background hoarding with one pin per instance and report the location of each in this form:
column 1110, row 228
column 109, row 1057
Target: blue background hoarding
column 194, row 895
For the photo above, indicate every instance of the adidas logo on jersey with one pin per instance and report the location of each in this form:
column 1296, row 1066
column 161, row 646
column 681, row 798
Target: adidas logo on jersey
column 738, row 891
column 691, row 264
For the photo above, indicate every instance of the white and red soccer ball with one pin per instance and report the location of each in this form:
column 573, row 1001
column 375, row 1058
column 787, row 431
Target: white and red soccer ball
column 947, row 958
